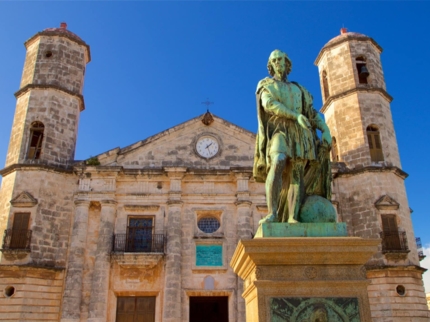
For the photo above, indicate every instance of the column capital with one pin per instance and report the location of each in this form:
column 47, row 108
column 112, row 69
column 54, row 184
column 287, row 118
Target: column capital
column 174, row 202
column 108, row 203
column 175, row 172
column 82, row 202
column 243, row 203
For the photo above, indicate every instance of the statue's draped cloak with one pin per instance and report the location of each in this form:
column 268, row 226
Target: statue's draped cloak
column 301, row 144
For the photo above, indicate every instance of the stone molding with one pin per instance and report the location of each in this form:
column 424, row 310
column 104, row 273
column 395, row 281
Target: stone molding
column 361, row 89
column 346, row 172
column 141, row 207
column 28, row 87
column 35, row 167
column 24, row 199
column 387, row 203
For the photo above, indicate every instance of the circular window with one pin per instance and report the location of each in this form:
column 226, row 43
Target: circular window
column 9, row 291
column 208, row 224
column 400, row 289
column 48, row 54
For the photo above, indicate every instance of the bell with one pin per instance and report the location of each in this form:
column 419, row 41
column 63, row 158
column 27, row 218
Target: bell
column 363, row 71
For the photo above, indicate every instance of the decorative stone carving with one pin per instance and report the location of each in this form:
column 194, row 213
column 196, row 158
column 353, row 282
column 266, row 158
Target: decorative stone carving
column 24, row 199
column 130, row 260
column 386, row 203
column 310, row 272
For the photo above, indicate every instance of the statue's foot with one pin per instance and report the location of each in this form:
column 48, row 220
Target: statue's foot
column 268, row 218
column 292, row 221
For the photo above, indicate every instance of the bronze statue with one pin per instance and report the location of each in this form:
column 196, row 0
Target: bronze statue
column 289, row 156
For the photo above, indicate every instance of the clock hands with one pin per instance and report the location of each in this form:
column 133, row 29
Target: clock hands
column 209, row 145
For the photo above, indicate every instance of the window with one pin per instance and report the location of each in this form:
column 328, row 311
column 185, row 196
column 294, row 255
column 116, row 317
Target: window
column 135, row 309
column 36, row 138
column 325, row 85
column 375, row 146
column 139, row 234
column 208, row 225
column 19, row 231
column 363, row 72
column 334, row 151
column 392, row 238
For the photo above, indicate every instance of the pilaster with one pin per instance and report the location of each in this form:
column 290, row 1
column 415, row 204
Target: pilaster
column 100, row 282
column 172, row 290
column 73, row 288
column 244, row 231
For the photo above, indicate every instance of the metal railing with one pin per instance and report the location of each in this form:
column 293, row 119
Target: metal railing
column 17, row 239
column 136, row 243
column 420, row 250
column 394, row 241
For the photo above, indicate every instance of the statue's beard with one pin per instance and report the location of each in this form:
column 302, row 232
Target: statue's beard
column 280, row 75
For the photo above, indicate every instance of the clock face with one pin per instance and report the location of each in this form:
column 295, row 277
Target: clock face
column 207, row 146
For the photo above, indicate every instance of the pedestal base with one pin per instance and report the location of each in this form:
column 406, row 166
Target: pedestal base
column 280, row 229
column 302, row 279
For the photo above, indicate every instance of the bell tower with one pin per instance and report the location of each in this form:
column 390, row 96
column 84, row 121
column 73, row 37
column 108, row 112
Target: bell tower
column 368, row 182
column 356, row 103
column 50, row 99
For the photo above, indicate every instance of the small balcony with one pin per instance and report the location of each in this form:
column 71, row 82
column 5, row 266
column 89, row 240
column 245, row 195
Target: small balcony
column 138, row 243
column 420, row 249
column 138, row 249
column 394, row 244
column 16, row 240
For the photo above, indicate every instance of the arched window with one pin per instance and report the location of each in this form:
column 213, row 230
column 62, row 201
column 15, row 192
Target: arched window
column 325, row 85
column 375, row 146
column 362, row 71
column 334, row 151
column 36, row 138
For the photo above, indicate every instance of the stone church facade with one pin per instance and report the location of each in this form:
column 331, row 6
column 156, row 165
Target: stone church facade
column 146, row 232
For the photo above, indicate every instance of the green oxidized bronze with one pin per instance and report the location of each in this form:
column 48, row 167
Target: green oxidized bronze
column 289, row 157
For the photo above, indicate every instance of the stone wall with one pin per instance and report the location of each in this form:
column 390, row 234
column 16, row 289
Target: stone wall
column 37, row 293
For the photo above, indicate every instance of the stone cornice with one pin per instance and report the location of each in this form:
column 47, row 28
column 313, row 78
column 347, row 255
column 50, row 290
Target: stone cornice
column 67, row 35
column 346, row 172
column 361, row 89
column 396, row 268
column 55, row 87
column 34, row 167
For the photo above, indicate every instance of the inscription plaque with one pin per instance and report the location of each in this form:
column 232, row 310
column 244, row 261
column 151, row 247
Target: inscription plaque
column 208, row 255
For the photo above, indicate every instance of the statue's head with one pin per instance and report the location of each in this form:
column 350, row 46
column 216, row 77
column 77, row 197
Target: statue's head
column 319, row 315
column 279, row 64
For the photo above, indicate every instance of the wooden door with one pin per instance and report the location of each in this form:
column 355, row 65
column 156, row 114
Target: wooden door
column 135, row 309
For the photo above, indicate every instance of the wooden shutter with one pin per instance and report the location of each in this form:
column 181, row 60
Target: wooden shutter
column 391, row 232
column 20, row 230
column 375, row 146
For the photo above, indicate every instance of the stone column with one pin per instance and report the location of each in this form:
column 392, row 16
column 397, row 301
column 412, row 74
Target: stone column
column 172, row 304
column 244, row 231
column 100, row 283
column 75, row 266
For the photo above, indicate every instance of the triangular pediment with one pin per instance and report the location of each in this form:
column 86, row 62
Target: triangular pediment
column 177, row 147
column 24, row 199
column 386, row 203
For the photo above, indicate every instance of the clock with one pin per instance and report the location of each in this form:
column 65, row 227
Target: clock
column 207, row 146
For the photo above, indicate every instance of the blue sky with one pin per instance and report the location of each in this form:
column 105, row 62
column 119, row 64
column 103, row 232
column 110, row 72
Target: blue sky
column 153, row 63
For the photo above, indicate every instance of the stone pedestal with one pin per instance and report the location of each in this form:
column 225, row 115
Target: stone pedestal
column 304, row 278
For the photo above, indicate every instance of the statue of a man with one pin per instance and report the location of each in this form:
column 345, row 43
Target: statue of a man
column 289, row 156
